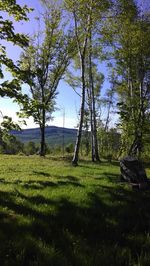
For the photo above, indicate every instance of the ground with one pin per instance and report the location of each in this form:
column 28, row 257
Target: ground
column 54, row 214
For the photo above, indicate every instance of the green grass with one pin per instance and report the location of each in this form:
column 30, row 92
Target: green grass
column 54, row 214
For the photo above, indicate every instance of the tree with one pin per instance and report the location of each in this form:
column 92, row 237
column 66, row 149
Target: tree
column 85, row 15
column 94, row 82
column 10, row 11
column 86, row 132
column 130, row 34
column 30, row 148
column 44, row 63
column 81, row 29
column 8, row 142
column 12, row 145
column 7, row 33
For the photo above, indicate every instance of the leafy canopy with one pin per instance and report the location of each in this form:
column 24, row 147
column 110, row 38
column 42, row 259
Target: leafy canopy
column 10, row 12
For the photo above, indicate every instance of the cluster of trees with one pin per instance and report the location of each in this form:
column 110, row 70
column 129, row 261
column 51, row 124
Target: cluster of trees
column 75, row 36
column 130, row 39
column 11, row 145
column 108, row 146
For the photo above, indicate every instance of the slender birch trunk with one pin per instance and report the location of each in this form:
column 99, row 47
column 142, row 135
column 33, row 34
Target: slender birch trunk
column 95, row 151
column 82, row 54
column 79, row 133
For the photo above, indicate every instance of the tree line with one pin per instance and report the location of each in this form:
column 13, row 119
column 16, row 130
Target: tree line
column 74, row 38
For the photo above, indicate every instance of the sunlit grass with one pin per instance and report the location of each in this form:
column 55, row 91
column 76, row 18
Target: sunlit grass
column 54, row 214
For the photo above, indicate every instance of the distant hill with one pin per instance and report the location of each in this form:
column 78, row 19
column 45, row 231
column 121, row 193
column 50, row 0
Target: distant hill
column 54, row 135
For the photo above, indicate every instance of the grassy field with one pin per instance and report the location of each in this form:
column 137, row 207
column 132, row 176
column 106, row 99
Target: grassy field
column 54, row 214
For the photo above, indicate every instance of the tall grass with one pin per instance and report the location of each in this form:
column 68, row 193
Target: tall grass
column 54, row 214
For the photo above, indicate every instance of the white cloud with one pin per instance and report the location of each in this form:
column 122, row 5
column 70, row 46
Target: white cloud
column 68, row 120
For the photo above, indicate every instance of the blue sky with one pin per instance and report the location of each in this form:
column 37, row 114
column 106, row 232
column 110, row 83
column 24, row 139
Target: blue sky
column 67, row 99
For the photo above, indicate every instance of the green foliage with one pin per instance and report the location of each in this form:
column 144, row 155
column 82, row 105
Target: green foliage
column 129, row 37
column 30, row 148
column 7, row 32
column 9, row 143
column 11, row 88
column 110, row 143
column 69, row 148
column 12, row 8
column 12, row 145
column 44, row 63
column 85, row 20
column 8, row 124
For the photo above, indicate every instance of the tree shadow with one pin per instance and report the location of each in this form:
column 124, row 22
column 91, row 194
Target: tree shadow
column 40, row 173
column 72, row 178
column 40, row 184
column 114, row 163
column 114, row 178
column 72, row 183
column 67, row 158
column 110, row 229
column 91, row 166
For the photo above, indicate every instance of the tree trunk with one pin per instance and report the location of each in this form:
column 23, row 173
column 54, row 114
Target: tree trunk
column 137, row 145
column 82, row 47
column 42, row 128
column 97, row 158
column 79, row 133
column 95, row 152
column 91, row 120
column 92, row 134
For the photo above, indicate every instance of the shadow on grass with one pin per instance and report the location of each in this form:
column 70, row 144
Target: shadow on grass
column 67, row 158
column 72, row 178
column 40, row 184
column 114, row 163
column 111, row 229
column 31, row 184
column 98, row 165
column 91, row 166
column 40, row 173
column 114, row 178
